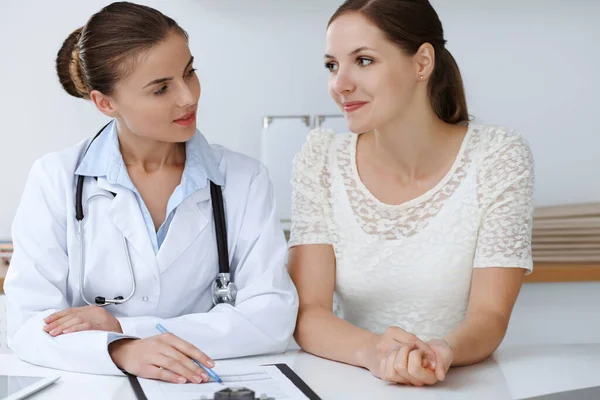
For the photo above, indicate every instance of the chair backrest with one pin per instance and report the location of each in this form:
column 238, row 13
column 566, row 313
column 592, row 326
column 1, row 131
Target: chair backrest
column 3, row 345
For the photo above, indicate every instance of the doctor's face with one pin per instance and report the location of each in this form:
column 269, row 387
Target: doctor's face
column 159, row 99
column 371, row 79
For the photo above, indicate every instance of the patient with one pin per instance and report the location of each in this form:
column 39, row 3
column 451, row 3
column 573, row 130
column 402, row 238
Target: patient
column 419, row 220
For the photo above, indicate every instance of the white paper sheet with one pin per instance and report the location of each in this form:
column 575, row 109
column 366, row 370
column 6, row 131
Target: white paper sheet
column 263, row 380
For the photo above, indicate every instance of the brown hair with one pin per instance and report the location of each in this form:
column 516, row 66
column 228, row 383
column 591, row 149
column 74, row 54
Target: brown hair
column 409, row 24
column 105, row 50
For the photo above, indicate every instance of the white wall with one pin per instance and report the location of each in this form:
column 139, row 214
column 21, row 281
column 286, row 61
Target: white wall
column 526, row 64
column 533, row 65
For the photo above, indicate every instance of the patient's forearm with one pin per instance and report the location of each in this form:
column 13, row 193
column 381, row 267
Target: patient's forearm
column 321, row 333
column 476, row 337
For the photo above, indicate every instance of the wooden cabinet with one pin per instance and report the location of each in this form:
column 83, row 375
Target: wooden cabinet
column 557, row 272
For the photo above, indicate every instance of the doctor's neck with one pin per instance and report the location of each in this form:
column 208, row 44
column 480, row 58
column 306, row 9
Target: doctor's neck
column 148, row 154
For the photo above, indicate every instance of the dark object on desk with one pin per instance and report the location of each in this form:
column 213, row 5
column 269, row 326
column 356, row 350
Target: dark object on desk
column 591, row 393
column 238, row 394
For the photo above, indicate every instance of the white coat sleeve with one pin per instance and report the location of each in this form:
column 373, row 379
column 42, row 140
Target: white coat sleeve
column 264, row 316
column 36, row 284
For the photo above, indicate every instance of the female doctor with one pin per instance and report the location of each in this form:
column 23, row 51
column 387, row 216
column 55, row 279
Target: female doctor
column 89, row 282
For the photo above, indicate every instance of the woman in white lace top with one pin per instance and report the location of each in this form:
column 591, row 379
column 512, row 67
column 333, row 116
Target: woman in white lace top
column 419, row 221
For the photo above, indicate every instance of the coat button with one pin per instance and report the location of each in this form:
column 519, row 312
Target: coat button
column 145, row 299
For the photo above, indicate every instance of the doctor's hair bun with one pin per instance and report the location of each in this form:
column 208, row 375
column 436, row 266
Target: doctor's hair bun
column 69, row 68
column 109, row 47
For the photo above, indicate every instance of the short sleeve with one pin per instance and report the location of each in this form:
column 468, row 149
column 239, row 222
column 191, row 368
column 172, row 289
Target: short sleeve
column 309, row 190
column 505, row 192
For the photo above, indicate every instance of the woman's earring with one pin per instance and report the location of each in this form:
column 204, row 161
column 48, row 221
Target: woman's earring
column 421, row 76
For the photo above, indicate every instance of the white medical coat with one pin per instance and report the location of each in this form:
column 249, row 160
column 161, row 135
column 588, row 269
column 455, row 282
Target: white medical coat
column 173, row 285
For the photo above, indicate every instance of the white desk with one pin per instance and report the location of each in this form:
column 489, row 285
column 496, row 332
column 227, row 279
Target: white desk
column 513, row 373
column 553, row 344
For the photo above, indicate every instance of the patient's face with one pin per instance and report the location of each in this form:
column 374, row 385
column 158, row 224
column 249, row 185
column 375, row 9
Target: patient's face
column 371, row 79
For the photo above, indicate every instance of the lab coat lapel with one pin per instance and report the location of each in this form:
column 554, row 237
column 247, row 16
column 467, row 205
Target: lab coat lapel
column 125, row 213
column 188, row 222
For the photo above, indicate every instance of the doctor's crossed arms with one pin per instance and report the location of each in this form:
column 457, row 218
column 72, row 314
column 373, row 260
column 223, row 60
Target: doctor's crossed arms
column 165, row 349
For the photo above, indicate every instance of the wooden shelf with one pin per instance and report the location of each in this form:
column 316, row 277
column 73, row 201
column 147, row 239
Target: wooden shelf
column 560, row 272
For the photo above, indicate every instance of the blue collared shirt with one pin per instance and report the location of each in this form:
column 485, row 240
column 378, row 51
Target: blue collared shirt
column 104, row 159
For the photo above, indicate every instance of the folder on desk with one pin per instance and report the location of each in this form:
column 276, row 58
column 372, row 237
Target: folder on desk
column 262, row 380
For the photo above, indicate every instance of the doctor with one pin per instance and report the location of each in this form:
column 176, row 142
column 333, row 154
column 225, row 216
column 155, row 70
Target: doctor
column 142, row 246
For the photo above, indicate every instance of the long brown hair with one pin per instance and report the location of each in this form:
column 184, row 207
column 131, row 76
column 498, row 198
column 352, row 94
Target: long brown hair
column 105, row 50
column 409, row 24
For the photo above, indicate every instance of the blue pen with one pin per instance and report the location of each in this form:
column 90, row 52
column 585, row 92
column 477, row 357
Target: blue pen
column 209, row 371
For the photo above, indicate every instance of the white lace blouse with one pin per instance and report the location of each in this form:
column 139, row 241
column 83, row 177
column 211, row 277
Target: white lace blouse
column 409, row 265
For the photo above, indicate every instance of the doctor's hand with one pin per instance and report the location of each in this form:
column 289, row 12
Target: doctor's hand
column 81, row 319
column 165, row 357
column 400, row 357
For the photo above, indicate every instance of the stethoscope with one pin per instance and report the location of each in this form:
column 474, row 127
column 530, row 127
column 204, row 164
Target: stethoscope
column 223, row 287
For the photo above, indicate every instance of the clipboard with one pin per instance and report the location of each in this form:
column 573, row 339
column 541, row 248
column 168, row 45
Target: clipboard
column 284, row 368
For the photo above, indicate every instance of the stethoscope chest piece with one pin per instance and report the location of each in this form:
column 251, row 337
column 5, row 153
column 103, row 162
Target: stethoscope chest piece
column 223, row 290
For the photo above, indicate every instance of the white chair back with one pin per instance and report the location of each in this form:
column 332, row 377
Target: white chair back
column 3, row 344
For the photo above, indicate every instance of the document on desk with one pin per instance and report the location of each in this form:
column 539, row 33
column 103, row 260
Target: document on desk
column 263, row 380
